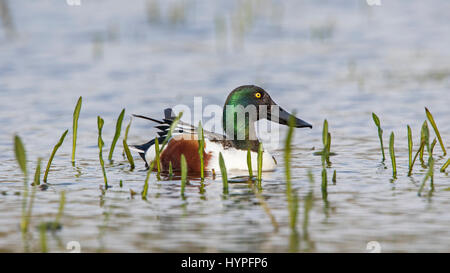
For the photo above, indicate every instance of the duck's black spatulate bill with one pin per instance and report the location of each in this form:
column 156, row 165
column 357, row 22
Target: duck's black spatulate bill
column 283, row 118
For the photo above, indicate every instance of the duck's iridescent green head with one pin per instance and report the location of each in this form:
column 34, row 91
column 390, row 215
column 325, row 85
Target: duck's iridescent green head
column 248, row 99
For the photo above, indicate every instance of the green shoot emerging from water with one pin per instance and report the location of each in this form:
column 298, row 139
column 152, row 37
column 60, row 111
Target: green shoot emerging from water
column 392, row 153
column 170, row 169
column 21, row 159
column 127, row 130
column 249, row 164
column 433, row 143
column 422, row 146
column 424, row 136
column 21, row 156
column 117, row 134
column 157, row 159
column 184, row 169
column 60, row 142
column 260, row 163
column 290, row 194
column 223, row 170
column 201, row 148
column 37, row 174
column 124, row 142
column 433, row 124
column 410, row 147
column 76, row 114
column 128, row 154
column 380, row 133
column 100, row 123
column 445, row 165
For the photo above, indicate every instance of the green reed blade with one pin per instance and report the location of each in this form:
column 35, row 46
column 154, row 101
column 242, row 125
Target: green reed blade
column 20, row 155
column 433, row 143
column 127, row 129
column 223, row 170
column 410, row 146
column 169, row 133
column 334, row 177
column 76, row 115
column 21, row 159
column 328, row 149
column 145, row 189
column 429, row 175
column 445, row 165
column 325, row 133
column 436, row 131
column 121, row 183
column 60, row 142
column 260, row 163
column 117, row 134
column 170, row 169
column 125, row 137
column 157, row 159
column 201, row 149
column 392, row 153
column 62, row 202
column 422, row 146
column 249, row 164
column 290, row 195
column 128, row 154
column 37, row 174
column 380, row 133
column 43, row 237
column 100, row 123
column 184, row 170
column 425, row 135
column 287, row 151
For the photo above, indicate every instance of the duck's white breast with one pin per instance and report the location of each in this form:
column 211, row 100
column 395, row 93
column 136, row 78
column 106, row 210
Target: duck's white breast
column 236, row 159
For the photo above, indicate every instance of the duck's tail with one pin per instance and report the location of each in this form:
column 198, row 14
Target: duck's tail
column 163, row 127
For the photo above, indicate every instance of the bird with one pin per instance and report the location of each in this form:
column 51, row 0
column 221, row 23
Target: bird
column 239, row 135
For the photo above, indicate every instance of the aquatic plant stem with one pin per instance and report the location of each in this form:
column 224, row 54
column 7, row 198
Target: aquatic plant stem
column 184, row 170
column 100, row 123
column 60, row 142
column 433, row 124
column 76, row 115
column 392, row 154
column 223, row 170
column 380, row 134
column 116, row 134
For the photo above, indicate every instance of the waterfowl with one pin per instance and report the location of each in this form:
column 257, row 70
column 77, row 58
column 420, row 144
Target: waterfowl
column 239, row 134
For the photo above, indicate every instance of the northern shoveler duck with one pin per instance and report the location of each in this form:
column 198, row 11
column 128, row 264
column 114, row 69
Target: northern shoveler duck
column 234, row 151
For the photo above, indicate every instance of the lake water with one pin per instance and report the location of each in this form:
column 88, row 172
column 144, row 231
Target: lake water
column 334, row 60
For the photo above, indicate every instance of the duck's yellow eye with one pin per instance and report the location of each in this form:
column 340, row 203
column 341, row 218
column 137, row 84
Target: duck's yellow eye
column 258, row 95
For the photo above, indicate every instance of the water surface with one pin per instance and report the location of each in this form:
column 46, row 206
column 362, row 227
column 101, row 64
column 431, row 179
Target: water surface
column 339, row 60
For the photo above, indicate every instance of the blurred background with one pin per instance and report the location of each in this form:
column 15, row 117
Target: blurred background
column 336, row 59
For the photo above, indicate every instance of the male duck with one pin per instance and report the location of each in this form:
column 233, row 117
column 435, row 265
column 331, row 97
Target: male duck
column 233, row 148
